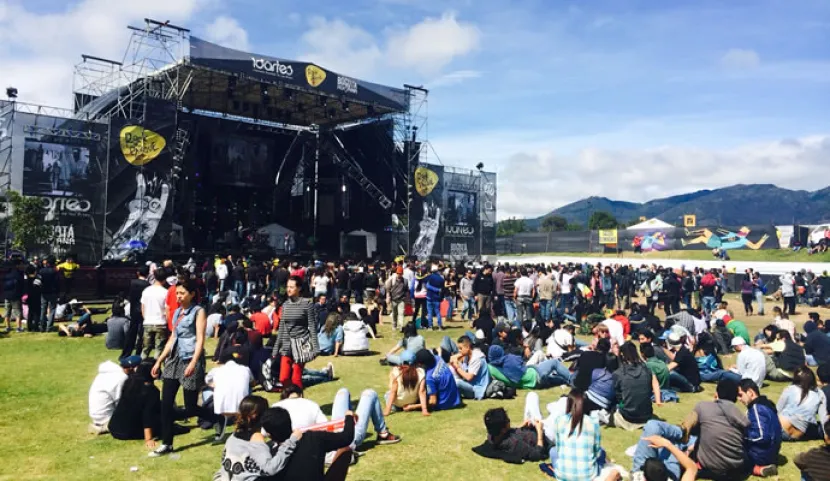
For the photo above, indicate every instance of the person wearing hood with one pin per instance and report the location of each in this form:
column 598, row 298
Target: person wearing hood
column 763, row 437
column 442, row 392
column 816, row 345
column 105, row 391
column 634, row 385
column 788, row 291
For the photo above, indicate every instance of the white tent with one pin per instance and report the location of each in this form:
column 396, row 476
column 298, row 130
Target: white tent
column 653, row 223
column 371, row 241
column 276, row 235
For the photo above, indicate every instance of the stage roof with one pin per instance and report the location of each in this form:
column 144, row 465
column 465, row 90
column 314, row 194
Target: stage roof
column 269, row 88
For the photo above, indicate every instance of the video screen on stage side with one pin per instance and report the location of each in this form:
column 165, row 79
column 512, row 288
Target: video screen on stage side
column 461, row 208
column 241, row 161
column 55, row 169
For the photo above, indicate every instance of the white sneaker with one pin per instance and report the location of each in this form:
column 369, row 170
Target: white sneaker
column 96, row 429
column 162, row 450
column 330, row 369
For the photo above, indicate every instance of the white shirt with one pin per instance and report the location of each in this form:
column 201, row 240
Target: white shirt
column 303, row 412
column 105, row 392
column 231, row 383
column 222, row 271
column 752, row 365
column 321, row 284
column 153, row 302
column 557, row 341
column 524, row 286
column 354, row 336
column 615, row 329
column 785, row 325
column 566, row 283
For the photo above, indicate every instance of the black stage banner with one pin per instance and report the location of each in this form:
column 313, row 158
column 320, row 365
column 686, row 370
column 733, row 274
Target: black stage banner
column 301, row 74
column 140, row 180
column 426, row 211
column 64, row 163
column 461, row 226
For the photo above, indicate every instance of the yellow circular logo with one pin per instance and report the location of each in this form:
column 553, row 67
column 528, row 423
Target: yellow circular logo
column 425, row 181
column 140, row 145
column 315, row 75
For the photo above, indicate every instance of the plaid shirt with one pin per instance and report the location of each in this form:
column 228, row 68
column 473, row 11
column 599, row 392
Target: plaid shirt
column 577, row 454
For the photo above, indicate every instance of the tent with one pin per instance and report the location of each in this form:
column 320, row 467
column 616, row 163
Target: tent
column 653, row 223
column 276, row 236
column 371, row 241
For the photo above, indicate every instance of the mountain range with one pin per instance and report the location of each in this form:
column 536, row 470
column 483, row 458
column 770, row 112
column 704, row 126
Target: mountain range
column 736, row 205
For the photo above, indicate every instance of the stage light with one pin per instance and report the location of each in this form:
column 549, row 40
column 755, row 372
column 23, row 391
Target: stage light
column 346, row 106
column 11, row 93
column 480, row 166
column 343, row 187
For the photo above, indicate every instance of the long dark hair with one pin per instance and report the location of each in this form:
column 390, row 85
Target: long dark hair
column 142, row 376
column 409, row 330
column 250, row 413
column 804, row 378
column 629, row 354
column 576, row 408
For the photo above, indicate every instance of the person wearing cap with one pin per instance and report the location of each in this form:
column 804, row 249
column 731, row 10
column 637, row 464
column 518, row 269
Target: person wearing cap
column 751, row 363
column 685, row 374
column 106, row 391
column 396, row 291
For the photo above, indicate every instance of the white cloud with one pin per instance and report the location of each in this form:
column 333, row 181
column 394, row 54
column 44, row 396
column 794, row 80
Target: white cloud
column 227, row 32
column 336, row 45
column 534, row 183
column 38, row 51
column 432, row 44
column 454, row 78
column 740, row 59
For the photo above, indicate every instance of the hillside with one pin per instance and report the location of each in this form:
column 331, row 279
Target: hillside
column 735, row 205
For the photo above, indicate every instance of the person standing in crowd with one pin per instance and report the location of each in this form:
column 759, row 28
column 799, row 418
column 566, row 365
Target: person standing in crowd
column 371, row 284
column 67, row 268
column 788, row 292
column 546, row 288
column 747, row 293
column 468, row 296
column 33, row 298
column 523, row 294
column 297, row 335
column 183, row 359
column 134, row 293
column 49, row 289
column 509, row 284
column 435, row 289
column 759, row 290
column 154, row 314
column 14, row 287
column 396, row 291
column 498, row 291
column 484, row 288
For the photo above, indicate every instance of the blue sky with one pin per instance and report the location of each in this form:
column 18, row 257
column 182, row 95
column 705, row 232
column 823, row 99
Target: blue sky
column 627, row 99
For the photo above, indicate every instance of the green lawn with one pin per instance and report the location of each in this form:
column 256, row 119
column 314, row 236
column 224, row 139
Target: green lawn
column 767, row 255
column 45, row 381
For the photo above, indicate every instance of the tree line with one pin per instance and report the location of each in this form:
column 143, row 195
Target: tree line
column 557, row 223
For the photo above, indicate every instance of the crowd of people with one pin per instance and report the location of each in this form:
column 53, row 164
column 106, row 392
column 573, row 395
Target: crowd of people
column 525, row 330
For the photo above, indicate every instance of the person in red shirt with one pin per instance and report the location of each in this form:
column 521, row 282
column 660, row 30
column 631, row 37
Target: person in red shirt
column 172, row 303
column 620, row 317
column 261, row 322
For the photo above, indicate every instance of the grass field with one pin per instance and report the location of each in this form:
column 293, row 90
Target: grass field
column 768, row 255
column 45, row 381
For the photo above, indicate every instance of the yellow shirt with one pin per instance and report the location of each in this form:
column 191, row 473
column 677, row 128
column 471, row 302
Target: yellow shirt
column 68, row 269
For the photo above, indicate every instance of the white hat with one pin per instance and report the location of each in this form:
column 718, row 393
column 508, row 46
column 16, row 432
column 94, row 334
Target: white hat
column 675, row 338
column 73, row 302
column 738, row 341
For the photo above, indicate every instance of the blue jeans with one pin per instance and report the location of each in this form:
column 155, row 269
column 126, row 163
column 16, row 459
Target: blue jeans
column 469, row 308
column 451, row 307
column 510, row 309
column 610, row 299
column 434, row 309
column 544, row 309
column 759, row 298
column 643, row 451
column 525, row 311
column 367, row 408
column 465, row 389
column 566, row 302
column 399, row 359
column 719, row 375
column 48, row 302
column 687, row 299
column 680, row 383
column 708, row 305
column 553, row 373
column 239, row 287
column 312, row 377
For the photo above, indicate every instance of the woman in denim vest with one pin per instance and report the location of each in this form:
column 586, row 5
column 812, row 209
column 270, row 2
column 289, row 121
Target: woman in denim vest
column 184, row 366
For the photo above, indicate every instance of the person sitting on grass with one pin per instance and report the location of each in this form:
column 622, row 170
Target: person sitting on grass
column 355, row 336
column 408, row 346
column 231, row 382
column 634, row 385
column 664, row 461
column 684, row 372
column 246, row 455
column 330, row 337
column 763, row 437
column 106, row 389
column 117, row 326
column 783, row 357
column 138, row 413
column 709, row 364
column 407, row 390
column 799, row 405
column 309, row 458
column 442, row 392
column 647, row 337
column 815, row 463
column 470, row 370
column 751, row 363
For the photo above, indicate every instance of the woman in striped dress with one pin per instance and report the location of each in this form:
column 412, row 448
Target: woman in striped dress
column 297, row 336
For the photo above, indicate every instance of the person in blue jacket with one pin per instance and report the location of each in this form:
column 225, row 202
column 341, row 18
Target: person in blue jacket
column 763, row 437
column 435, row 293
